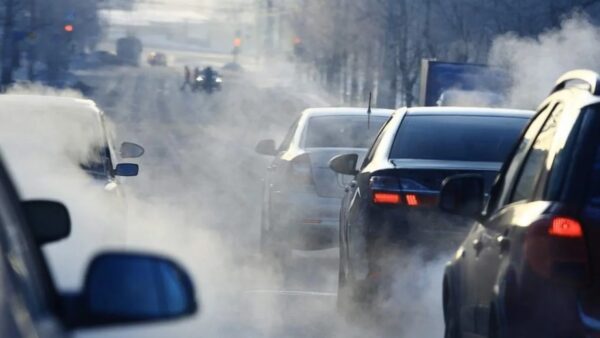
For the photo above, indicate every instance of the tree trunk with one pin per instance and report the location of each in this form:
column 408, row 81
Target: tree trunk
column 7, row 45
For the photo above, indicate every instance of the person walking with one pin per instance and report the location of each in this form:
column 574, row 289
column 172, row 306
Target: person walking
column 187, row 81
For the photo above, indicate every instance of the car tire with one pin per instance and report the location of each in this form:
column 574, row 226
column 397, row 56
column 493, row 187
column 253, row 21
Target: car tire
column 452, row 323
column 494, row 328
column 345, row 294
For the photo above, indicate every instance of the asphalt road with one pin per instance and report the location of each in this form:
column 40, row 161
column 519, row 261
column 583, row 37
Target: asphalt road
column 198, row 199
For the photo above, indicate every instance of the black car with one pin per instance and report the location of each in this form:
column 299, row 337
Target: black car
column 391, row 205
column 529, row 266
column 120, row 288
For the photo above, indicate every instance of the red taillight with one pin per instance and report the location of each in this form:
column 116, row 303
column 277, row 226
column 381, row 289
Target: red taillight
column 565, row 227
column 386, row 198
column 300, row 170
column 412, row 200
column 555, row 248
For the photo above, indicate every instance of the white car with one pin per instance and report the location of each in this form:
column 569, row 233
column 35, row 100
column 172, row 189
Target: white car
column 302, row 195
column 61, row 149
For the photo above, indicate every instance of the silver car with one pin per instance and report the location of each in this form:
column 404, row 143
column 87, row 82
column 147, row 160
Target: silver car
column 302, row 195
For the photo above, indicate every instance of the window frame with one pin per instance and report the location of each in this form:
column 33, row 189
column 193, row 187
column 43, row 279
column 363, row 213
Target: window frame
column 537, row 181
column 370, row 155
column 511, row 167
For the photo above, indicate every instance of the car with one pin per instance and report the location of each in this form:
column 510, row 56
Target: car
column 32, row 307
column 157, row 59
column 32, row 120
column 528, row 267
column 390, row 205
column 301, row 196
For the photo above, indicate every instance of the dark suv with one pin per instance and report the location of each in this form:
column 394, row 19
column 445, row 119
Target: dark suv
column 529, row 267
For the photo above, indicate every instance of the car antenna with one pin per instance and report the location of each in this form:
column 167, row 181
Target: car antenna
column 369, row 111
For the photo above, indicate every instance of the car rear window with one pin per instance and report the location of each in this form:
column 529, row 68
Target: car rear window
column 457, row 138
column 342, row 131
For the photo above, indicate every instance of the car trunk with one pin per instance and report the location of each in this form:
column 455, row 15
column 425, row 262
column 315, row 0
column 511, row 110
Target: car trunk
column 327, row 182
column 429, row 175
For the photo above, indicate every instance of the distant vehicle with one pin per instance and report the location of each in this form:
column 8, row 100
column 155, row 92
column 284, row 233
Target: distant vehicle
column 32, row 307
column 460, row 84
column 105, row 58
column 157, row 59
column 129, row 50
column 390, row 204
column 208, row 81
column 529, row 266
column 75, row 115
column 301, row 200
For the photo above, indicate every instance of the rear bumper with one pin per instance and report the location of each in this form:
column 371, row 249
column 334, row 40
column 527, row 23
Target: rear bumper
column 305, row 220
column 419, row 227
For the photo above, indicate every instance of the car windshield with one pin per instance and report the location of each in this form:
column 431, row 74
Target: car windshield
column 342, row 131
column 456, row 138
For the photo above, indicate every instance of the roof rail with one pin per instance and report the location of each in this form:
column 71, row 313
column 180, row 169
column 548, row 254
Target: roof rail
column 591, row 78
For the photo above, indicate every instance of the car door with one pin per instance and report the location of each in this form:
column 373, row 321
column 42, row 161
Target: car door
column 275, row 174
column 522, row 206
column 31, row 299
column 353, row 208
column 471, row 265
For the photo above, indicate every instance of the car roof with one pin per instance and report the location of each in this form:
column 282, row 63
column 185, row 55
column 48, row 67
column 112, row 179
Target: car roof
column 35, row 102
column 345, row 111
column 469, row 111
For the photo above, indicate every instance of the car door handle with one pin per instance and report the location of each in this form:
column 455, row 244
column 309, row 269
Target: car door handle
column 503, row 243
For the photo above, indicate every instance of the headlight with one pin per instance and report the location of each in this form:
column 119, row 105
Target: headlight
column 199, row 79
column 219, row 80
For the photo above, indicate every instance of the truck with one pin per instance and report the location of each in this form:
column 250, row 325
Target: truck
column 129, row 50
column 462, row 84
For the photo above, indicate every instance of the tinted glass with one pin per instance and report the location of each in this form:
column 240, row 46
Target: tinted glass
column 99, row 164
column 457, row 138
column 536, row 159
column 342, row 131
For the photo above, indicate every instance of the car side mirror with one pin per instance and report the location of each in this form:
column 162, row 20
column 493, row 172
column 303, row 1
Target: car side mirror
column 463, row 195
column 266, row 147
column 344, row 164
column 126, row 288
column 127, row 169
column 131, row 150
column 49, row 221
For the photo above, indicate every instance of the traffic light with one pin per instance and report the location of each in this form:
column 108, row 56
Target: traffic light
column 237, row 42
column 69, row 28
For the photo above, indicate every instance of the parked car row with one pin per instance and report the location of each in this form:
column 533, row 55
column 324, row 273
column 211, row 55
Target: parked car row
column 522, row 187
column 40, row 136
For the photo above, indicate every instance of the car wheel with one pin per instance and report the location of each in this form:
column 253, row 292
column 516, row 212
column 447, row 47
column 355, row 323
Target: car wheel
column 494, row 329
column 452, row 328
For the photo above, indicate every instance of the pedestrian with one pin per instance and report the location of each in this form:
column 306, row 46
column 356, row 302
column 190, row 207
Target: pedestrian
column 187, row 81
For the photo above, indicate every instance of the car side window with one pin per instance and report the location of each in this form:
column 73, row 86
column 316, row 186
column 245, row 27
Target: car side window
column 287, row 141
column 536, row 159
column 501, row 189
column 371, row 152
